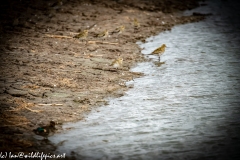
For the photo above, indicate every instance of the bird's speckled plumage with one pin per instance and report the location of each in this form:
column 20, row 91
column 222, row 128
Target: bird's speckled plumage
column 103, row 34
column 119, row 29
column 159, row 51
column 82, row 35
column 136, row 24
column 117, row 63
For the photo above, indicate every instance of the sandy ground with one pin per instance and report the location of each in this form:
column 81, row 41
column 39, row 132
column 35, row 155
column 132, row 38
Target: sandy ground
column 46, row 74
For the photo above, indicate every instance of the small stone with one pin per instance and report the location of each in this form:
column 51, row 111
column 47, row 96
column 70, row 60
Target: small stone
column 16, row 92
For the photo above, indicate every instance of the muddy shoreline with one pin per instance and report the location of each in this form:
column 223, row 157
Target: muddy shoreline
column 46, row 74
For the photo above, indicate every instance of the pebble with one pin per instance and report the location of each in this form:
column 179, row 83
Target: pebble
column 16, row 92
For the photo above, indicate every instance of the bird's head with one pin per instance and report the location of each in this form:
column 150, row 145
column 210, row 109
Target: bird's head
column 164, row 45
column 120, row 59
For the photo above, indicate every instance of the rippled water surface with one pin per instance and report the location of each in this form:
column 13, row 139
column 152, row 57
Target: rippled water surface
column 186, row 108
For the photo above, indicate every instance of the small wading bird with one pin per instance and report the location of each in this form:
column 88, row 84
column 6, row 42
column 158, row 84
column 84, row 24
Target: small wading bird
column 82, row 35
column 103, row 34
column 159, row 50
column 119, row 30
column 117, row 63
column 136, row 24
column 45, row 130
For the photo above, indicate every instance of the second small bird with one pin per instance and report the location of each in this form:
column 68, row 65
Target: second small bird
column 103, row 34
column 82, row 35
column 119, row 30
column 117, row 63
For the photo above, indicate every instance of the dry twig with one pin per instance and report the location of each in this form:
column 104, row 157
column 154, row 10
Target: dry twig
column 94, row 42
column 57, row 36
column 54, row 104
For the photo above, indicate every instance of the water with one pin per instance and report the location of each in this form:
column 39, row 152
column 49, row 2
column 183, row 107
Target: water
column 186, row 108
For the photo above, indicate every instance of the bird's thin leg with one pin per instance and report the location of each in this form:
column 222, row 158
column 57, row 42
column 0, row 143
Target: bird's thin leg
column 159, row 58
